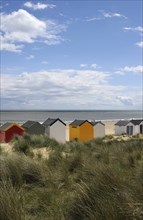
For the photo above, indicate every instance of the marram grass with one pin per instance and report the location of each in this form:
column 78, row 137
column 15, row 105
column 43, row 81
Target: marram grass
column 95, row 180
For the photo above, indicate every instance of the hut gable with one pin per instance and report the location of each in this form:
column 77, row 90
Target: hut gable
column 97, row 122
column 79, row 122
column 55, row 128
column 8, row 130
column 51, row 121
column 81, row 130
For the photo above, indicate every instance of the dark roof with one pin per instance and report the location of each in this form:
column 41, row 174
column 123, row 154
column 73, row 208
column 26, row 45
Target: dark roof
column 28, row 124
column 97, row 122
column 79, row 122
column 6, row 125
column 122, row 122
column 51, row 121
column 136, row 122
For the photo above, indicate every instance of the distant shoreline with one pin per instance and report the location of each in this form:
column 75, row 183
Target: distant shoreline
column 70, row 110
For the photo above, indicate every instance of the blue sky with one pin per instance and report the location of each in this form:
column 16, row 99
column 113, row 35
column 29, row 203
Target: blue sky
column 71, row 54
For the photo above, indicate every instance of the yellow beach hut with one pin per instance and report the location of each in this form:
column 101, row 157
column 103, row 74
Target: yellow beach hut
column 81, row 130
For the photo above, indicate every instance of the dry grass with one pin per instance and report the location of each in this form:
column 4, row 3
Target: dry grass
column 93, row 180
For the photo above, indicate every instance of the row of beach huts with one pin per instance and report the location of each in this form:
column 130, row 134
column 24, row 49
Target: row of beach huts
column 80, row 130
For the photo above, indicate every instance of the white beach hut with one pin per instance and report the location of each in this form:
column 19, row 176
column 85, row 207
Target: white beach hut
column 125, row 127
column 120, row 127
column 55, row 128
column 138, row 126
column 98, row 129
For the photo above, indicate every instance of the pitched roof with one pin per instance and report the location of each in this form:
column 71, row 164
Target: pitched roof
column 97, row 122
column 79, row 122
column 122, row 122
column 51, row 121
column 136, row 122
column 8, row 125
column 5, row 126
column 28, row 124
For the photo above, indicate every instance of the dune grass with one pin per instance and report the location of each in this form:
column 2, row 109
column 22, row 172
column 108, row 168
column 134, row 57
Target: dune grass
column 99, row 179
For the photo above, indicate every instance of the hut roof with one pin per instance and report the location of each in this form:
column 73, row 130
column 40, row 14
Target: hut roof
column 51, row 121
column 97, row 122
column 79, row 122
column 122, row 122
column 5, row 126
column 136, row 122
column 28, row 124
column 8, row 125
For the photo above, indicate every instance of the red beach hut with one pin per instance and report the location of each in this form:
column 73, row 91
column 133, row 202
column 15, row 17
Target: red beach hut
column 8, row 130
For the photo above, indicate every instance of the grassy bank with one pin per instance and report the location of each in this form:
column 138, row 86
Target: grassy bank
column 100, row 179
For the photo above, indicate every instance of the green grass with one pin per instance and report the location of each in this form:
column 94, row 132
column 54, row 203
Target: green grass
column 80, row 181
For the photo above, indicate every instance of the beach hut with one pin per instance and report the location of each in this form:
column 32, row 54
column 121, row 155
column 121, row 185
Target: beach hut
column 125, row 127
column 98, row 129
column 9, row 130
column 138, row 126
column 81, row 130
column 120, row 127
column 33, row 127
column 55, row 128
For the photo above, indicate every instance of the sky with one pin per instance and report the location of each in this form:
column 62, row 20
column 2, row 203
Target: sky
column 71, row 55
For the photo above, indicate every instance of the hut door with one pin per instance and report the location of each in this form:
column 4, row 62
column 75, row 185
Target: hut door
column 141, row 129
column 129, row 130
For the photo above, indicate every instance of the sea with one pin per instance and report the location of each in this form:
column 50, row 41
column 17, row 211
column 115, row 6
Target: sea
column 67, row 115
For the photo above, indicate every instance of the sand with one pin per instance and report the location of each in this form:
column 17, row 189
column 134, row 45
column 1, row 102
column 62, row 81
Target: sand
column 6, row 147
column 109, row 127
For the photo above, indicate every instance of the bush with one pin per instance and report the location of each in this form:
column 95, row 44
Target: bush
column 27, row 142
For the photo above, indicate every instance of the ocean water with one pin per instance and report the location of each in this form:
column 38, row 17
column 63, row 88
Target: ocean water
column 41, row 116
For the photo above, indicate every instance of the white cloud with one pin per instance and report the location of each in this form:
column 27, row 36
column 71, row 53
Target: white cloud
column 140, row 44
column 63, row 88
column 83, row 65
column 126, row 100
column 44, row 62
column 30, row 57
column 9, row 46
column 135, row 29
column 21, row 26
column 138, row 30
column 38, row 6
column 105, row 15
column 131, row 69
column 111, row 14
column 93, row 19
column 58, row 88
column 94, row 65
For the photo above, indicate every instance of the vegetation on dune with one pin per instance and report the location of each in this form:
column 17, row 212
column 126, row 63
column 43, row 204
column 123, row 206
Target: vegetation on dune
column 99, row 179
